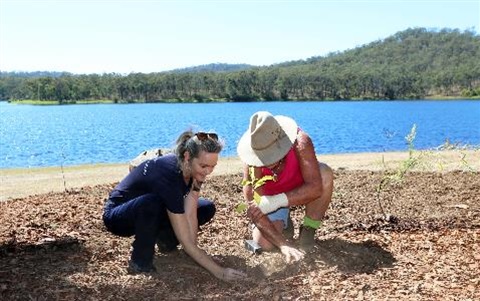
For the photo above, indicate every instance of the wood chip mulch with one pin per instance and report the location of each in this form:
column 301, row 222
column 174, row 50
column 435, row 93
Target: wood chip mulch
column 424, row 245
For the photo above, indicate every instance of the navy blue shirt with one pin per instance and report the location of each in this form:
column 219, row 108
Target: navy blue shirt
column 160, row 176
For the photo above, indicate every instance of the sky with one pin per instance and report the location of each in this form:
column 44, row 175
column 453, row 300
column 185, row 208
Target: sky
column 114, row 36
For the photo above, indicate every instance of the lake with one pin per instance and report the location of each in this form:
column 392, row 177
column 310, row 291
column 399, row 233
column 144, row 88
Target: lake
column 35, row 136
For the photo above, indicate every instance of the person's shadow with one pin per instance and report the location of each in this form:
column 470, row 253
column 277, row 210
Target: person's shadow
column 348, row 258
column 351, row 257
column 22, row 265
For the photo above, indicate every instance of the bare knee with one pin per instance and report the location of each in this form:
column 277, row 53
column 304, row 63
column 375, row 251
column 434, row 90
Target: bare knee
column 316, row 209
column 263, row 241
column 327, row 175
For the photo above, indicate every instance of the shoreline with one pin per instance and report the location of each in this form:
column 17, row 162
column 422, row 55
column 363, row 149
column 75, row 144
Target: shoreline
column 106, row 101
column 22, row 182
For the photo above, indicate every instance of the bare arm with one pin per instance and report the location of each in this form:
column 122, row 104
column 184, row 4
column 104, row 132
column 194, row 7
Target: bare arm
column 260, row 220
column 184, row 234
column 264, row 225
column 269, row 231
column 191, row 207
column 312, row 187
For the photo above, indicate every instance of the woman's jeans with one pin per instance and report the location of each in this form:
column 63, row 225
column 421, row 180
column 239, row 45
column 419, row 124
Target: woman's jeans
column 144, row 217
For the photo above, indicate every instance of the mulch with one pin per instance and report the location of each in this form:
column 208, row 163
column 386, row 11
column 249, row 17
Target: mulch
column 418, row 239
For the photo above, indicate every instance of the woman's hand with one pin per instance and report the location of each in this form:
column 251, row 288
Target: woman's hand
column 229, row 274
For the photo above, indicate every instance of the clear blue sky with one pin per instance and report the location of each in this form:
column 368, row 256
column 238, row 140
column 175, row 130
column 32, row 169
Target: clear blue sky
column 97, row 36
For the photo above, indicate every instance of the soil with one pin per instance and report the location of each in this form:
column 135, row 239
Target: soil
column 417, row 239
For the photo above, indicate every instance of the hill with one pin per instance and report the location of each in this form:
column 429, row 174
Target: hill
column 215, row 67
column 409, row 64
column 413, row 64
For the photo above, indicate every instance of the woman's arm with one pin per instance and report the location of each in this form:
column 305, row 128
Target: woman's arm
column 184, row 235
column 191, row 208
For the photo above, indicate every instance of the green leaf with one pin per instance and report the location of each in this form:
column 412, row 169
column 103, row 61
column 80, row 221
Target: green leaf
column 241, row 207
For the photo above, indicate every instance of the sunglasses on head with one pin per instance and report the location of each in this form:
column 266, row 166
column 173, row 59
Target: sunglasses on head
column 202, row 136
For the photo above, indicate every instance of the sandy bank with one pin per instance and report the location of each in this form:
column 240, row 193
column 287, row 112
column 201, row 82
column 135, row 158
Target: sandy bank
column 15, row 183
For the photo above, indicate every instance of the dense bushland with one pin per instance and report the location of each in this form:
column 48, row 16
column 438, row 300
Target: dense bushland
column 413, row 64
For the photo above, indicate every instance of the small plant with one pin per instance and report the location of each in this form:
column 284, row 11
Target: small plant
column 256, row 183
column 415, row 159
column 63, row 172
column 465, row 163
column 447, row 145
column 397, row 176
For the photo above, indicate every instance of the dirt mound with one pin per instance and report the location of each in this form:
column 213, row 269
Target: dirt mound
column 418, row 239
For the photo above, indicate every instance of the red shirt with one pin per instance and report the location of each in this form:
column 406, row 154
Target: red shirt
column 290, row 177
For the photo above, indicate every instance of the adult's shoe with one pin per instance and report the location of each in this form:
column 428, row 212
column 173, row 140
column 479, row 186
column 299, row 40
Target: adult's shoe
column 306, row 238
column 167, row 241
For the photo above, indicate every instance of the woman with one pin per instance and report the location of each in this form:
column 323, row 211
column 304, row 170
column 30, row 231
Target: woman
column 158, row 202
column 281, row 170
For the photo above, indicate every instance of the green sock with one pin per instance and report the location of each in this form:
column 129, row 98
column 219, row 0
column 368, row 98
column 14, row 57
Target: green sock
column 308, row 222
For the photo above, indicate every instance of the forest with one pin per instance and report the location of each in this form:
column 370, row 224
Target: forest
column 416, row 63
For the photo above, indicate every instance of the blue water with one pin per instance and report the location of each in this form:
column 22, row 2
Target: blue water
column 34, row 136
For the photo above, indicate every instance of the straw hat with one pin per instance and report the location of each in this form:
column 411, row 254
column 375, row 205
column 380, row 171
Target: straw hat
column 268, row 139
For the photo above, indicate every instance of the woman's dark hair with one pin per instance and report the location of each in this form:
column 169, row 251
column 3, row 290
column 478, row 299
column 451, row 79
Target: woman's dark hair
column 194, row 143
